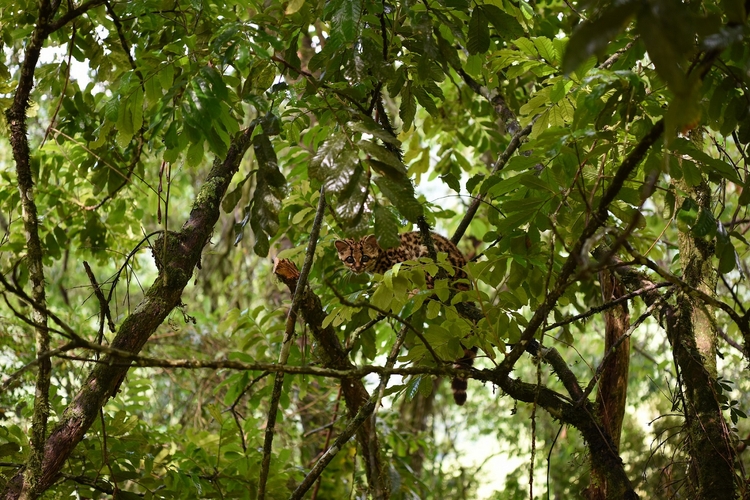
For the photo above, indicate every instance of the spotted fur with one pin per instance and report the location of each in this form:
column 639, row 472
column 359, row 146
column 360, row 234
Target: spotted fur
column 365, row 255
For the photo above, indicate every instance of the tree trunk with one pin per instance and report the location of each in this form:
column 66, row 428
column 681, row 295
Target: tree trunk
column 613, row 385
column 692, row 334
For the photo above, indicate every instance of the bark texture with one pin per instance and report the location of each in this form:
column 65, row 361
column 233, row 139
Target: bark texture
column 31, row 484
column 613, row 384
column 355, row 395
column 182, row 250
column 692, row 334
column 709, row 448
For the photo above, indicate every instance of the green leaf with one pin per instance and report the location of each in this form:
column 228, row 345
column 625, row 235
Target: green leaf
column 382, row 298
column 382, row 154
column 705, row 224
column 725, row 251
column 592, row 37
column 425, row 100
column 744, row 198
column 433, row 309
column 125, row 118
column 425, row 386
column 268, row 164
column 412, row 388
column 546, row 49
column 195, row 154
column 346, row 18
column 505, row 24
column 261, row 77
column 452, row 181
column 401, row 193
column 166, row 76
column 368, row 126
column 7, row 449
column 447, row 51
column 233, row 197
column 408, row 107
column 479, row 33
column 665, row 55
column 691, row 173
column 269, row 191
column 293, row 6
column 386, row 227
column 214, row 78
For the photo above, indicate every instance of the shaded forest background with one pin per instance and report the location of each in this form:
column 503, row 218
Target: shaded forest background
column 175, row 320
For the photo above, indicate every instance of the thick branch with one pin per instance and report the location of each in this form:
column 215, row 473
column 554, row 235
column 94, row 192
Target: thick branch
column 16, row 116
column 334, row 356
column 581, row 417
column 184, row 251
column 599, row 217
column 74, row 13
column 711, row 450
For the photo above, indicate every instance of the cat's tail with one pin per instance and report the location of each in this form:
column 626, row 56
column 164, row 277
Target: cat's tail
column 459, row 384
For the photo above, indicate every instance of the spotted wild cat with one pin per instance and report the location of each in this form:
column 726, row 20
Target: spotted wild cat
column 365, row 255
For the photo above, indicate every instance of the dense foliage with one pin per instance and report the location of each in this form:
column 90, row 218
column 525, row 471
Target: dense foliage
column 590, row 158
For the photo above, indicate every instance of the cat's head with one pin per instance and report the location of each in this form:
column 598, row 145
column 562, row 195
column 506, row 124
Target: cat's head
column 359, row 255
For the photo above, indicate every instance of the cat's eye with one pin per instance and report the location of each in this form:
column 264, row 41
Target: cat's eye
column 365, row 258
column 350, row 260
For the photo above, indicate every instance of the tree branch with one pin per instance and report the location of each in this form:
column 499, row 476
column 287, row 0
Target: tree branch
column 286, row 345
column 513, row 145
column 73, row 13
column 164, row 295
column 740, row 321
column 353, row 426
column 30, row 486
column 599, row 217
column 334, row 356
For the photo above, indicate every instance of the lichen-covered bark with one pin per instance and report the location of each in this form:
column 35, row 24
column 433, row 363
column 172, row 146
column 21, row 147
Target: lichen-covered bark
column 164, row 295
column 692, row 334
column 16, row 116
column 711, row 454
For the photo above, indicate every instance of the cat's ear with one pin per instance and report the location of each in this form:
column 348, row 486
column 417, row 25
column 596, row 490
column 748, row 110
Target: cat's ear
column 370, row 241
column 341, row 245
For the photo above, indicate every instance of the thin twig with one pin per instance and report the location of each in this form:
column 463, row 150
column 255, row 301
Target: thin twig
column 741, row 321
column 599, row 217
column 613, row 350
column 71, row 44
column 729, row 340
column 287, row 344
column 233, row 408
column 103, row 304
column 352, row 427
column 513, row 145
column 387, row 314
column 334, row 417
column 608, row 305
